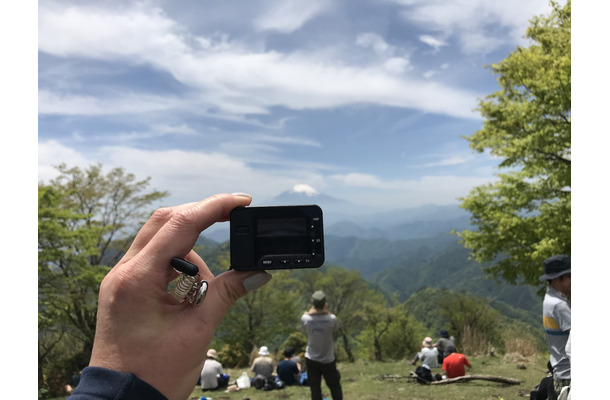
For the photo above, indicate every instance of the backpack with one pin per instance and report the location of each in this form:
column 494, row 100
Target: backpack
column 259, row 381
column 424, row 374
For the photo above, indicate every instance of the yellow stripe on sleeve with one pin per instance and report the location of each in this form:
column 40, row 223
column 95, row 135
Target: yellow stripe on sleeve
column 550, row 323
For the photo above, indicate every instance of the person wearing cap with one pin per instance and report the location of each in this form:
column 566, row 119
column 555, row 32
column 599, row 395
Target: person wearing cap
column 319, row 324
column 212, row 372
column 263, row 364
column 557, row 316
column 428, row 354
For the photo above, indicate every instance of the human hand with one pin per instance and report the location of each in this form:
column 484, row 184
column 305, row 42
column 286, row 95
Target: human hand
column 141, row 329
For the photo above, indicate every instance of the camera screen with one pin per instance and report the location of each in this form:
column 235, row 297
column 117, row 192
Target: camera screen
column 290, row 234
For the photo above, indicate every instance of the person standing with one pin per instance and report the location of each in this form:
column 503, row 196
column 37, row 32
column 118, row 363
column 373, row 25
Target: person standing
column 319, row 324
column 557, row 316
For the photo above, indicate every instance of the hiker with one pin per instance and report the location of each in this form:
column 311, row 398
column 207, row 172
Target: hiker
column 453, row 365
column 212, row 375
column 287, row 370
column 556, row 316
column 445, row 345
column 428, row 354
column 161, row 360
column 262, row 366
column 319, row 324
column 295, row 358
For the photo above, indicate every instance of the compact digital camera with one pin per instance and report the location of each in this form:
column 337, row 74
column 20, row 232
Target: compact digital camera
column 276, row 237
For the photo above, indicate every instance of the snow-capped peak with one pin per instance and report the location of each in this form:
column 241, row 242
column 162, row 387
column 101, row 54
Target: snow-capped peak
column 304, row 189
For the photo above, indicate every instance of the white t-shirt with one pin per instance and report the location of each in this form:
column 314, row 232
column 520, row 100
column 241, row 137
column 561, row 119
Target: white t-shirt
column 212, row 369
column 319, row 329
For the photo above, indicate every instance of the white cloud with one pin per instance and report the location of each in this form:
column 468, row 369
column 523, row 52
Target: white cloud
column 433, row 42
column 119, row 103
column 52, row 153
column 232, row 79
column 449, row 161
column 444, row 189
column 474, row 22
column 187, row 175
column 288, row 16
column 373, row 41
column 362, row 180
column 397, row 65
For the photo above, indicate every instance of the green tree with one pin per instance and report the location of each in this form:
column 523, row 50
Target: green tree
column 67, row 287
column 390, row 330
column 85, row 223
column 473, row 322
column 265, row 317
column 345, row 292
column 525, row 216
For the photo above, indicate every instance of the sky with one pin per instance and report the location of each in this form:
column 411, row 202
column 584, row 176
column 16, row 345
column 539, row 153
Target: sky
column 363, row 100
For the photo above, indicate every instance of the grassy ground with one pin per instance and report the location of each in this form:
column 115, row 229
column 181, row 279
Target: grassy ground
column 361, row 380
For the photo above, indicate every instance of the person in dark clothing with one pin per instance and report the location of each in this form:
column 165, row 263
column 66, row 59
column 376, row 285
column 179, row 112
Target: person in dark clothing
column 445, row 345
column 287, row 370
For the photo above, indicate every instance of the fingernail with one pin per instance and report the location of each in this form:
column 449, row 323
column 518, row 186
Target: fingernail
column 256, row 281
column 239, row 194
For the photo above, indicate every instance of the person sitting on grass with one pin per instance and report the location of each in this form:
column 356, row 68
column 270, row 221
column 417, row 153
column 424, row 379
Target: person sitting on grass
column 453, row 365
column 287, row 370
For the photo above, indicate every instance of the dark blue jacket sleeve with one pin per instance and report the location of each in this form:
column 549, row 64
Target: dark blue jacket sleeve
column 105, row 384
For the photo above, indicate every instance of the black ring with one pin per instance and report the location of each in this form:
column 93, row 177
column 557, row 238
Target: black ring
column 186, row 267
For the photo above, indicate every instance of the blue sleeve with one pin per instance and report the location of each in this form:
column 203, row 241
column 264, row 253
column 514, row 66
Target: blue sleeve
column 104, row 384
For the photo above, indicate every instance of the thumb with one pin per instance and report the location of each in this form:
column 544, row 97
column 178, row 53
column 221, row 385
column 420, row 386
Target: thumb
column 226, row 289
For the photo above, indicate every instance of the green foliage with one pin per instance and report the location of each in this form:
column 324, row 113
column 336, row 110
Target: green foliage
column 264, row 317
column 85, row 220
column 525, row 216
column 424, row 305
column 390, row 330
column 473, row 323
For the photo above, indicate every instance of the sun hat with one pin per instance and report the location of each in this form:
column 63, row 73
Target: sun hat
column 428, row 342
column 264, row 351
column 556, row 266
column 318, row 298
column 212, row 354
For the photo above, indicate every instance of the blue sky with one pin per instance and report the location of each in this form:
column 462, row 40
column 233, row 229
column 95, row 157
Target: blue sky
column 361, row 100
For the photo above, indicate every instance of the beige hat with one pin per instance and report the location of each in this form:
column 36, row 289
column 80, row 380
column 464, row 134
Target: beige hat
column 212, row 354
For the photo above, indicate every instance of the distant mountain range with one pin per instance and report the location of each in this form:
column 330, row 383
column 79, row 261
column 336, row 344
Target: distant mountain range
column 401, row 251
column 344, row 218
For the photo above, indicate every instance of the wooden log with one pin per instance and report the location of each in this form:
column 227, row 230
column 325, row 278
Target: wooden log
column 465, row 378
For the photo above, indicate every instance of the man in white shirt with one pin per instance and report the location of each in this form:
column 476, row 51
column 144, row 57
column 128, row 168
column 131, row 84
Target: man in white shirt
column 319, row 325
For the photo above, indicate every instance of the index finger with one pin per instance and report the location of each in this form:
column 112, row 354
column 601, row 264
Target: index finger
column 178, row 235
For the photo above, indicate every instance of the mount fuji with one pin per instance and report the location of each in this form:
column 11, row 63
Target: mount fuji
column 345, row 219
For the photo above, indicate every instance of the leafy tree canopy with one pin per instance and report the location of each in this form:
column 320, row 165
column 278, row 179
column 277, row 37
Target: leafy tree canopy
column 525, row 216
